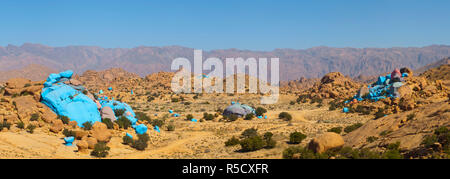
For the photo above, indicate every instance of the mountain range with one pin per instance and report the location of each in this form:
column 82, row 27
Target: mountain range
column 294, row 64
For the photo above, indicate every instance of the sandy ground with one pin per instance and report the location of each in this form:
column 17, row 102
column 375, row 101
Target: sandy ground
column 190, row 139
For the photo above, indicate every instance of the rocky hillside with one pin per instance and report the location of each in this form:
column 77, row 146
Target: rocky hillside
column 309, row 63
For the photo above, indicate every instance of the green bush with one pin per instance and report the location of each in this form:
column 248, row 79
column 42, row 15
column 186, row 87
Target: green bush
column 68, row 133
column 231, row 142
column 87, row 125
column 123, row 122
column 143, row 117
column 171, row 127
column 100, row 150
column 30, row 128
column 20, row 125
column 249, row 116
column 189, row 117
column 371, row 139
column 108, row 123
column 252, row 144
column 270, row 143
column 380, row 113
column 260, row 111
column 231, row 117
column 64, row 119
column 119, row 112
column 285, row 116
column 208, row 117
column 4, row 124
column 248, row 133
column 296, row 137
column 336, row 130
column 127, row 140
column 142, row 142
column 174, row 100
column 158, row 122
column 353, row 127
column 34, row 117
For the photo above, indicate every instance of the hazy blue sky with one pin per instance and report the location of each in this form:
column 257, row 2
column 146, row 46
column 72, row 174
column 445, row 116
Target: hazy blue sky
column 221, row 24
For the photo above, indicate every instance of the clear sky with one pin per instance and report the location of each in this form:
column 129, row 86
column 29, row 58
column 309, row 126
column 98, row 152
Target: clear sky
column 222, row 24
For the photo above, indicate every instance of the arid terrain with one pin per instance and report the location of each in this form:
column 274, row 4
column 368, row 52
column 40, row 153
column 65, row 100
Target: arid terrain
column 308, row 101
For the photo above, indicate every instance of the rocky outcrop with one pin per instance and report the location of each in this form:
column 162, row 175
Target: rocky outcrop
column 328, row 140
column 100, row 132
column 408, row 128
column 334, row 85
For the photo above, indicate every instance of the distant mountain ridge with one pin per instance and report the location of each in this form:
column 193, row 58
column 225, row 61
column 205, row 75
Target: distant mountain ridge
column 294, row 64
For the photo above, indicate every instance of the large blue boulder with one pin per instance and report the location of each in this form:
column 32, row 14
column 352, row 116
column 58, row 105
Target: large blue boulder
column 141, row 129
column 66, row 74
column 66, row 101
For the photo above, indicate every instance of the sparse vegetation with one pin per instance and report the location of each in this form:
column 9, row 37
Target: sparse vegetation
column 108, row 123
column 143, row 117
column 100, row 150
column 68, row 133
column 208, row 116
column 142, row 142
column 353, row 127
column 337, row 130
column 20, row 125
column 296, row 137
column 119, row 112
column 123, row 122
column 30, row 128
column 34, row 117
column 249, row 116
column 87, row 125
column 232, row 141
column 260, row 111
column 64, row 119
column 285, row 116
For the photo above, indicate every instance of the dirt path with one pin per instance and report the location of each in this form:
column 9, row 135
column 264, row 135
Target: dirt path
column 172, row 147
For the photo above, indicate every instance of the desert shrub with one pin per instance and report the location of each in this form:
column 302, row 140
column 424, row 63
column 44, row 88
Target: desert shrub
column 292, row 103
column 336, row 130
column 252, row 143
column 187, row 103
column 174, row 100
column 249, row 116
column 171, row 127
column 353, row 127
column 123, row 122
column 296, row 137
column 158, row 122
column 260, row 111
column 380, row 113
column 251, row 132
column 371, row 139
column 64, row 119
column 5, row 124
column 339, row 153
column 363, row 109
column 393, row 151
column 189, row 117
column 386, row 132
column 119, row 112
column 68, row 133
column 410, row 116
column 442, row 136
column 34, row 117
column 285, row 116
column 100, row 150
column 142, row 142
column 230, row 118
column 87, row 125
column 127, row 140
column 20, row 125
column 143, row 117
column 208, row 117
column 270, row 143
column 30, row 128
column 108, row 123
column 232, row 141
